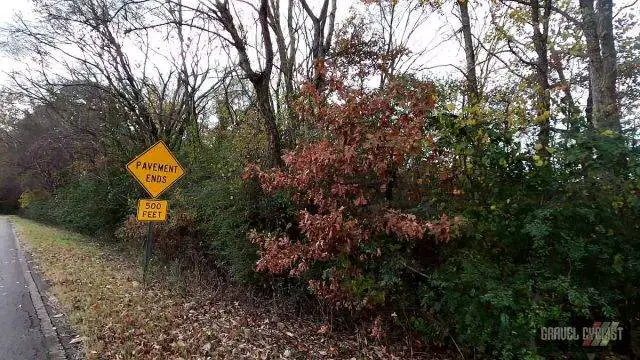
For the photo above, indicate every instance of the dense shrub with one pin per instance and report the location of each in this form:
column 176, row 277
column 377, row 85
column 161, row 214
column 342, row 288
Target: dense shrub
column 536, row 243
column 357, row 224
column 174, row 240
column 547, row 245
column 223, row 206
column 88, row 205
column 450, row 227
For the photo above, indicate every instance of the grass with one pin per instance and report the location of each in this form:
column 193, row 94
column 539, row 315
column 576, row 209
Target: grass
column 100, row 290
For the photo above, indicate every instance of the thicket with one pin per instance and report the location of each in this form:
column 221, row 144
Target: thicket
column 408, row 217
column 446, row 225
column 88, row 205
column 463, row 213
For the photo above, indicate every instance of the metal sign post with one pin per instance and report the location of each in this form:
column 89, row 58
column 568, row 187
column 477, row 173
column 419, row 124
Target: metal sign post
column 147, row 253
column 150, row 210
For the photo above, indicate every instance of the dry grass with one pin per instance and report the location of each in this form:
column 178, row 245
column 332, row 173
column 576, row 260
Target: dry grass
column 101, row 293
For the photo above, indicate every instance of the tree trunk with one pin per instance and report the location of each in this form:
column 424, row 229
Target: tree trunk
column 569, row 108
column 321, row 42
column 472, row 88
column 598, row 33
column 287, row 62
column 259, row 80
column 541, row 18
column 588, row 111
column 263, row 96
column 610, row 117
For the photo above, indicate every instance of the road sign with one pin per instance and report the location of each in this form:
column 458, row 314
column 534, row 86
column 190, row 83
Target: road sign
column 152, row 210
column 156, row 169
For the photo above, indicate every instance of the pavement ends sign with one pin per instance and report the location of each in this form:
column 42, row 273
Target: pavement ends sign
column 156, row 169
column 152, row 210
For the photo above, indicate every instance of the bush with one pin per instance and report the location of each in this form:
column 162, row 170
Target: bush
column 354, row 222
column 175, row 239
column 224, row 207
column 447, row 226
column 547, row 245
column 539, row 242
column 90, row 206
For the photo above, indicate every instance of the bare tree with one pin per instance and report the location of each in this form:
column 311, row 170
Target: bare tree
column 220, row 12
column 323, row 29
column 287, row 47
column 107, row 45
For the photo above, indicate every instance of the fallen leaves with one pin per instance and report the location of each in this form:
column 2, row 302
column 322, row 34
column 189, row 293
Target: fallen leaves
column 117, row 318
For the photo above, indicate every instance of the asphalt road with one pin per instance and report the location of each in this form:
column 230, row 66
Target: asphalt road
column 20, row 335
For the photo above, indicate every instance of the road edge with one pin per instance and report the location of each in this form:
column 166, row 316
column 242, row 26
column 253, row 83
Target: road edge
column 52, row 342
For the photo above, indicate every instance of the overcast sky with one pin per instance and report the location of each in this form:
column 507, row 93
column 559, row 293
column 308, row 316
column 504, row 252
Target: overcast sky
column 7, row 9
column 429, row 36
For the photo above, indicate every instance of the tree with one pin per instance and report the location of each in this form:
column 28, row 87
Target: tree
column 469, row 51
column 351, row 194
column 163, row 100
column 597, row 25
column 537, row 14
column 394, row 24
column 52, row 144
column 321, row 39
column 287, row 55
column 259, row 79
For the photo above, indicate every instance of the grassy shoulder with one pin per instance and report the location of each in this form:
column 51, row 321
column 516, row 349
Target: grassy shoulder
column 100, row 291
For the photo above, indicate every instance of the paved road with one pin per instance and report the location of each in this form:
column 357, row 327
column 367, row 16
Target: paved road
column 20, row 335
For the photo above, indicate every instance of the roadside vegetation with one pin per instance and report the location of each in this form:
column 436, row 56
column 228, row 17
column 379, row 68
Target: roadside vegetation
column 332, row 170
column 119, row 317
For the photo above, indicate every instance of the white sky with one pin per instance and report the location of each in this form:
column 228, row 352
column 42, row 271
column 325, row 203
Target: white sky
column 7, row 9
column 437, row 28
column 428, row 36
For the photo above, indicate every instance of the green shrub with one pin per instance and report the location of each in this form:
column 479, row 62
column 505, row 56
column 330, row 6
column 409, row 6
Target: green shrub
column 87, row 205
column 223, row 206
column 546, row 246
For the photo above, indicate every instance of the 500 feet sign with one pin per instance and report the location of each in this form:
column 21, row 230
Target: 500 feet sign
column 156, row 169
column 152, row 210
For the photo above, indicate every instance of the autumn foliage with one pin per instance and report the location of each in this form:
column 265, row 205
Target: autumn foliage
column 342, row 188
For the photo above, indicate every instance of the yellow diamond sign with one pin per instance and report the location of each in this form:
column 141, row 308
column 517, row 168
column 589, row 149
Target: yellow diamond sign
column 156, row 169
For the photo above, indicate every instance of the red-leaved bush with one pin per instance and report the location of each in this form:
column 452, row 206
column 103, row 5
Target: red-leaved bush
column 342, row 186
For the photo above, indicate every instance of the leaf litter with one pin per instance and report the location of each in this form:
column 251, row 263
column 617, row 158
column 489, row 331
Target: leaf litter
column 118, row 318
